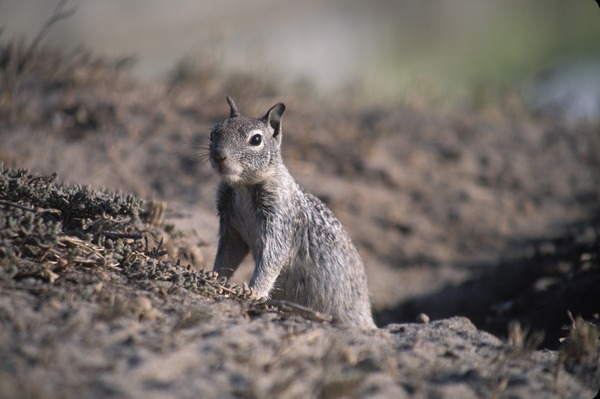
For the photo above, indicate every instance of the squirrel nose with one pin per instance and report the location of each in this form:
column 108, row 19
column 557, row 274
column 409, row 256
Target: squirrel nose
column 218, row 158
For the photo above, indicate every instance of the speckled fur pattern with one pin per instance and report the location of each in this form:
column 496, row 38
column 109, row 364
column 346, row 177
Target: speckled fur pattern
column 302, row 253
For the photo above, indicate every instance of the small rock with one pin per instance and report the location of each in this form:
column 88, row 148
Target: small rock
column 144, row 304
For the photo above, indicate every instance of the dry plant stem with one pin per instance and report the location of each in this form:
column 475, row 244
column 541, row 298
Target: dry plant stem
column 18, row 60
column 57, row 16
column 290, row 308
column 27, row 208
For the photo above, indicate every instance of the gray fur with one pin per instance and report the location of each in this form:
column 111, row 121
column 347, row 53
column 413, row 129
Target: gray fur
column 301, row 250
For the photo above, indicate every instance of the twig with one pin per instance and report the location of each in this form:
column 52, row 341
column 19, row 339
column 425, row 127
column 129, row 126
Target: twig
column 28, row 208
column 15, row 205
column 57, row 16
column 288, row 308
column 116, row 235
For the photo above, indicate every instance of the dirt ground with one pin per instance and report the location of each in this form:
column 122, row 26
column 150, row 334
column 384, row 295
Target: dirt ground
column 477, row 219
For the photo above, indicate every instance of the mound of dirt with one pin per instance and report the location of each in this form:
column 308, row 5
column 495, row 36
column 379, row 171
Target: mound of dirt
column 489, row 216
column 88, row 309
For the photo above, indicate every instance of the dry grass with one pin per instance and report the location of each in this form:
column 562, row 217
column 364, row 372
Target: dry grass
column 581, row 345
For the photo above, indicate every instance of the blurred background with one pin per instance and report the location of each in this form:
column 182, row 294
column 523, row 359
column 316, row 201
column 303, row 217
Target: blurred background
column 458, row 52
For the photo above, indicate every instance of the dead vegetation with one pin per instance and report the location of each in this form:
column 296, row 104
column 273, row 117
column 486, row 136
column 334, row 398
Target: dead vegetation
column 15, row 59
column 52, row 228
column 578, row 352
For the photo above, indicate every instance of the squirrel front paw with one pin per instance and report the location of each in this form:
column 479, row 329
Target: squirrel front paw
column 251, row 292
column 256, row 294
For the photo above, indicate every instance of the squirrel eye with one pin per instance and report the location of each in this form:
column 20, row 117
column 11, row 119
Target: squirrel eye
column 256, row 139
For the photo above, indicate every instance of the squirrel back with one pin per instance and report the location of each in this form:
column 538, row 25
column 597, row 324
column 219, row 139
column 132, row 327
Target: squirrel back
column 302, row 253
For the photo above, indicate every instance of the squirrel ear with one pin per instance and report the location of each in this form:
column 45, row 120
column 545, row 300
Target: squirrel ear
column 234, row 111
column 273, row 118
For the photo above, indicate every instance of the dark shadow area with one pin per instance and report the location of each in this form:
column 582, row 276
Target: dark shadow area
column 539, row 289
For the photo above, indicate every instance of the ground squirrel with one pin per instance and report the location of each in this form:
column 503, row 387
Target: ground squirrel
column 301, row 250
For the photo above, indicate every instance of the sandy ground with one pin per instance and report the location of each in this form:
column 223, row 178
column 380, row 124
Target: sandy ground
column 489, row 216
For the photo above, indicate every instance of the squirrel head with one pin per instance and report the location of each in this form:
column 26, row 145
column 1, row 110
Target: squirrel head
column 246, row 150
